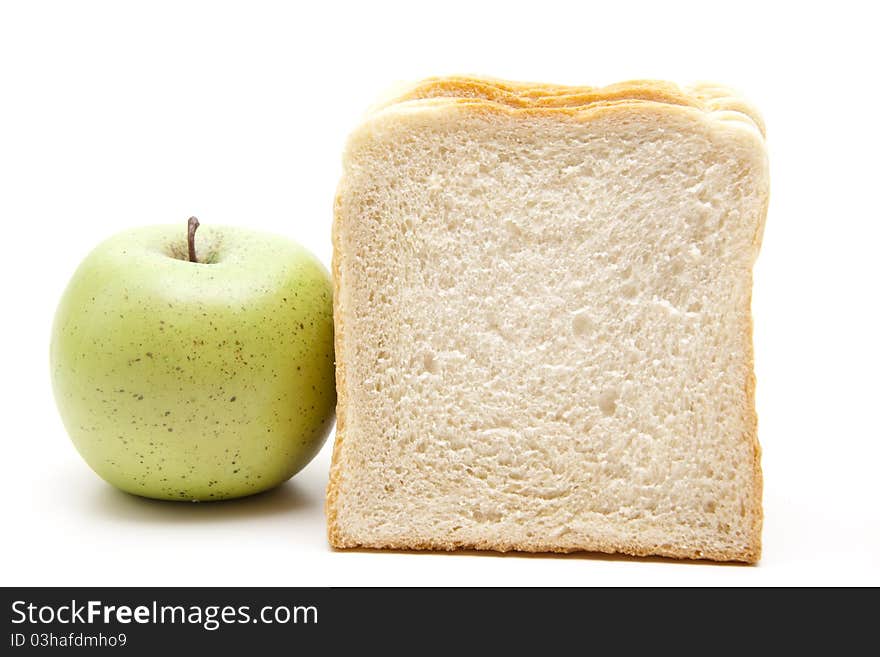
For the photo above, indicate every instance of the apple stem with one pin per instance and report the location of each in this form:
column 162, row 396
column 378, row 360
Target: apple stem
column 191, row 226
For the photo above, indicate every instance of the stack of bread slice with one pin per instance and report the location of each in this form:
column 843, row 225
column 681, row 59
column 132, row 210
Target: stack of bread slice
column 543, row 324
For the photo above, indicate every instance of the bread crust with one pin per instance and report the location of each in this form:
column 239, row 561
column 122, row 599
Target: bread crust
column 527, row 101
column 705, row 96
column 334, row 534
column 748, row 556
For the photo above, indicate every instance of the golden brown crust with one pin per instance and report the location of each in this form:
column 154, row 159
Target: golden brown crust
column 579, row 103
column 544, row 95
column 704, row 96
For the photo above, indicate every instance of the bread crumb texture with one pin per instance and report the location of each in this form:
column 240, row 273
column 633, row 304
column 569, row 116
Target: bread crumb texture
column 543, row 321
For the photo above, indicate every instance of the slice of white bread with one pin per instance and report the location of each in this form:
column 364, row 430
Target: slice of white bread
column 543, row 328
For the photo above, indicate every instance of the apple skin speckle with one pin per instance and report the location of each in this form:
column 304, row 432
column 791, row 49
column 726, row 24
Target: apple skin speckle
column 235, row 388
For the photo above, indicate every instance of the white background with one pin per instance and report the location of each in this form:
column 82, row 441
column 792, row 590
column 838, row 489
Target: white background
column 117, row 114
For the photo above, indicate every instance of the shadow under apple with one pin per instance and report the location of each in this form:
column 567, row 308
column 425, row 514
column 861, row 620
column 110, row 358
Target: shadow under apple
column 289, row 497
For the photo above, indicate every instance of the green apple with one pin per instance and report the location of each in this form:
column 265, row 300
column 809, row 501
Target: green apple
column 196, row 367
